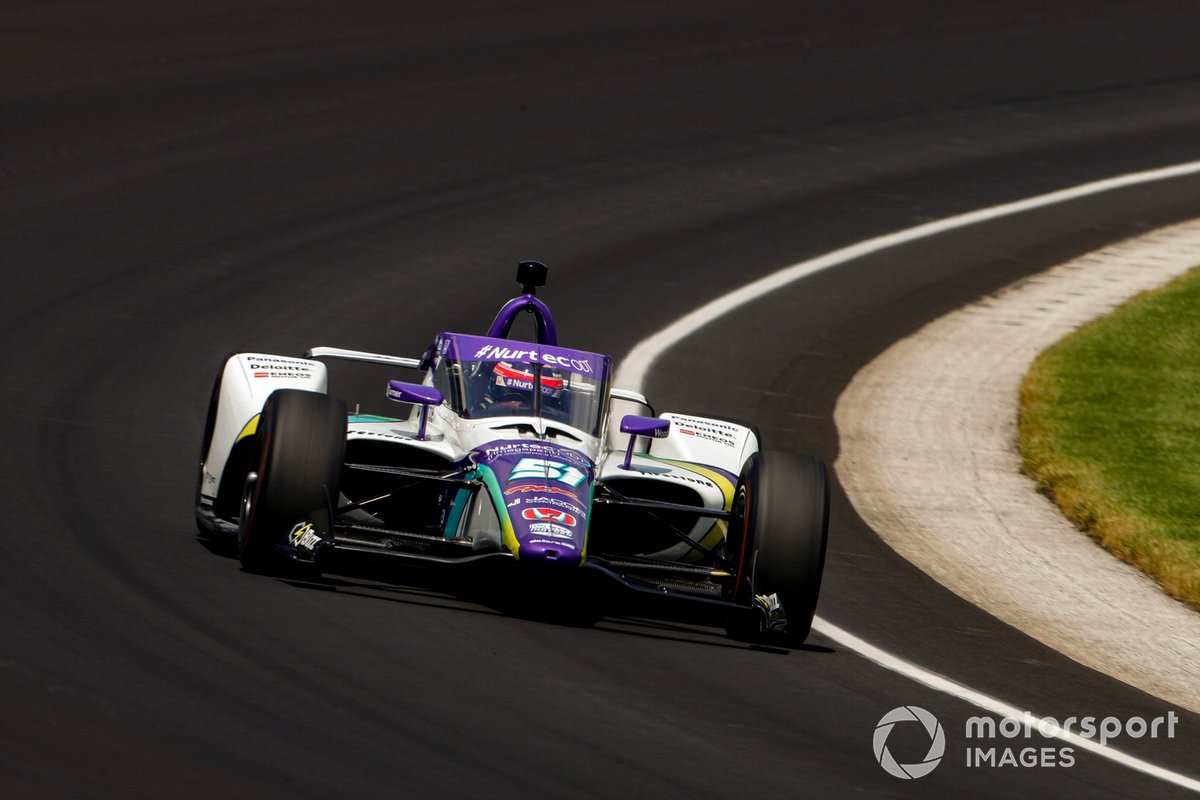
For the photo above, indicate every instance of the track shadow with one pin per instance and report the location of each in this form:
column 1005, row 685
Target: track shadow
column 224, row 546
column 561, row 602
column 437, row 591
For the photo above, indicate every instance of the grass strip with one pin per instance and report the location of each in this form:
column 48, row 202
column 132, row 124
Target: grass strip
column 1110, row 427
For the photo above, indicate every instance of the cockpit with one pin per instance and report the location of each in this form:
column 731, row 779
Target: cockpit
column 483, row 377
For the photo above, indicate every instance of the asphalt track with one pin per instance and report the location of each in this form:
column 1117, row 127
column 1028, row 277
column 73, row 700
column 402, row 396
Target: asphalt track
column 177, row 184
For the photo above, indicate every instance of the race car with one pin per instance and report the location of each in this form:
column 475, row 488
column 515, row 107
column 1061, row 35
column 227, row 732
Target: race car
column 515, row 456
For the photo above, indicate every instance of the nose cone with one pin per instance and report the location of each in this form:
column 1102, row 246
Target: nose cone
column 551, row 552
column 543, row 491
column 549, row 527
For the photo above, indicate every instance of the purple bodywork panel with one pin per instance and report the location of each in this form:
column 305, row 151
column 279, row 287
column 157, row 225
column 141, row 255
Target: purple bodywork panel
column 545, row 323
column 645, row 426
column 642, row 426
column 464, row 347
column 425, row 396
column 546, row 490
column 403, row 392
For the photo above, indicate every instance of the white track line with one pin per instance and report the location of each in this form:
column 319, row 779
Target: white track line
column 634, row 367
column 994, row 706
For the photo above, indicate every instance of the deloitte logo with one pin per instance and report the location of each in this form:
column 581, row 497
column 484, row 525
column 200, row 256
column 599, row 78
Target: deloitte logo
column 937, row 742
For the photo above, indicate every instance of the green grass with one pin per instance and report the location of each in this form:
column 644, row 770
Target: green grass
column 1110, row 427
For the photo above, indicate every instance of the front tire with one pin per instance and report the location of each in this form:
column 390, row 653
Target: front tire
column 300, row 448
column 783, row 503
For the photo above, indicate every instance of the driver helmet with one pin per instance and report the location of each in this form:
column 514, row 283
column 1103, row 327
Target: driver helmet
column 512, row 385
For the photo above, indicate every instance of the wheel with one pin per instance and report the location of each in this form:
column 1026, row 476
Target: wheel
column 782, row 510
column 300, row 447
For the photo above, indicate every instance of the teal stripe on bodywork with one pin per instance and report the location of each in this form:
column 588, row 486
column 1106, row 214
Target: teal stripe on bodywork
column 508, row 535
column 372, row 418
column 587, row 529
column 456, row 512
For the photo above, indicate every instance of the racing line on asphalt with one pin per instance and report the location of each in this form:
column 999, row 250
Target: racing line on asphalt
column 636, row 365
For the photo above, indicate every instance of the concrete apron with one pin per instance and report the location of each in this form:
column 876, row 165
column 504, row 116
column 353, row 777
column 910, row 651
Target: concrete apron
column 928, row 457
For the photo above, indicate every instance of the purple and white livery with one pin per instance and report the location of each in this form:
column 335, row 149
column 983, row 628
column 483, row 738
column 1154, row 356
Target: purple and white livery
column 519, row 458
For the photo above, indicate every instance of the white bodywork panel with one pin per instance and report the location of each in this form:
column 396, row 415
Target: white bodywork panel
column 246, row 382
column 707, row 441
column 701, row 443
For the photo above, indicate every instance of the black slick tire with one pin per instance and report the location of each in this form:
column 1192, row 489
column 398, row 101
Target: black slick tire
column 783, row 504
column 300, row 447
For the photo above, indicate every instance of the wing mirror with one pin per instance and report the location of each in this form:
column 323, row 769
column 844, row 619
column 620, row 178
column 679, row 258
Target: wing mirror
column 637, row 426
column 418, row 394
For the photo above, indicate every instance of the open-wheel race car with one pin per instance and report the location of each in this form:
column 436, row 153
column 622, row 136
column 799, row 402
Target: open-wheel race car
column 516, row 456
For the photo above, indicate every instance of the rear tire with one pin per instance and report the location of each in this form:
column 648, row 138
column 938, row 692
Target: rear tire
column 300, row 448
column 783, row 503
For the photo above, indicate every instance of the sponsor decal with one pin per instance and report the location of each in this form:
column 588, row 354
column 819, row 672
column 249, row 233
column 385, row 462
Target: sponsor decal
column 273, row 367
column 258, row 358
column 527, row 448
column 549, row 515
column 710, row 424
column 275, row 371
column 725, row 433
column 526, row 386
column 283, row 375
column 677, row 476
column 493, row 352
column 552, row 501
column 711, row 436
column 303, row 537
column 550, row 529
column 494, row 451
column 540, row 490
column 555, row 542
column 515, row 383
column 544, row 468
column 519, row 379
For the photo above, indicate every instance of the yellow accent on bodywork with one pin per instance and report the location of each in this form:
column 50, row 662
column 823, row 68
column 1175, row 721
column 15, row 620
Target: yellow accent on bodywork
column 723, row 483
column 507, row 534
column 710, row 540
column 588, row 527
column 250, row 429
column 720, row 527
